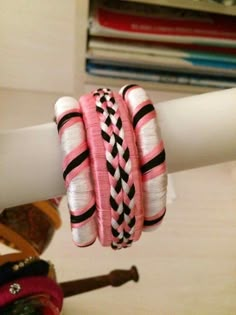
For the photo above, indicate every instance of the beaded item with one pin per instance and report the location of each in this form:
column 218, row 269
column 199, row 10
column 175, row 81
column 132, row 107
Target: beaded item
column 31, row 266
column 29, row 286
column 13, row 257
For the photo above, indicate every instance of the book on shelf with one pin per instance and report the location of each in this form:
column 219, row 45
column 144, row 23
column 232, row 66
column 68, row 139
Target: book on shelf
column 227, row 7
column 225, row 2
column 153, row 56
column 159, row 23
column 93, row 67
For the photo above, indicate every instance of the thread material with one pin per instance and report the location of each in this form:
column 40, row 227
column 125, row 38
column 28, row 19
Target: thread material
column 122, row 189
column 151, row 153
column 98, row 167
column 118, row 137
column 76, row 171
column 135, row 167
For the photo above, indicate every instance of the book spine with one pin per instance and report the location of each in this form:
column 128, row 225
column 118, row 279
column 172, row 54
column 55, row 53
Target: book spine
column 212, row 27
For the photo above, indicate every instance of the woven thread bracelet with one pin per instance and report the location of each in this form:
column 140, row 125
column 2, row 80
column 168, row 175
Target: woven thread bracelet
column 76, row 171
column 136, row 173
column 101, row 100
column 151, row 153
column 118, row 203
column 119, row 138
column 98, row 168
column 122, row 189
column 29, row 286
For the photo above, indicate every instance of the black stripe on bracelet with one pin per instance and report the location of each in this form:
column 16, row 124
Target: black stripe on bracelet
column 153, row 222
column 82, row 217
column 127, row 88
column 141, row 113
column 157, row 160
column 76, row 162
column 66, row 117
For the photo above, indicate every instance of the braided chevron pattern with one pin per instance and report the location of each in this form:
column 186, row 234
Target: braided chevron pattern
column 151, row 153
column 119, row 168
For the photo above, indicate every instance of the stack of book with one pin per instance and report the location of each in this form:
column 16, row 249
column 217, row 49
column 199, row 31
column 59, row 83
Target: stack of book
column 161, row 44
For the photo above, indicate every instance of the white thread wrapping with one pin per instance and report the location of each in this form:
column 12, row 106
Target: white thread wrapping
column 80, row 190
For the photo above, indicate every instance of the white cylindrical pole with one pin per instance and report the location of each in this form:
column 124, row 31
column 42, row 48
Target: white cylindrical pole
column 197, row 130
column 30, row 165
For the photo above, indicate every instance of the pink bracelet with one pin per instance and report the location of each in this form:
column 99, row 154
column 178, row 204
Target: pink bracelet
column 134, row 156
column 126, row 177
column 151, row 153
column 24, row 287
column 76, row 171
column 125, row 191
column 114, row 164
column 98, row 168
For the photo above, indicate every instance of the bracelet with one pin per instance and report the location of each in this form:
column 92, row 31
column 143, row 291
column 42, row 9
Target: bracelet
column 98, row 168
column 118, row 196
column 31, row 266
column 28, row 228
column 117, row 136
column 151, row 153
column 28, row 286
column 118, row 168
column 76, row 171
column 134, row 156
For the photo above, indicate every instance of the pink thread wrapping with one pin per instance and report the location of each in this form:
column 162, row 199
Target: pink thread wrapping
column 114, row 161
column 69, row 158
column 136, row 101
column 122, row 189
column 80, row 195
column 98, row 168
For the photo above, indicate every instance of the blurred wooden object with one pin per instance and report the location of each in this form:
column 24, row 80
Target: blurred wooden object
column 115, row 278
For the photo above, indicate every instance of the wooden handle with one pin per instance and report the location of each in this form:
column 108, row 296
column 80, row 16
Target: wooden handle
column 115, row 278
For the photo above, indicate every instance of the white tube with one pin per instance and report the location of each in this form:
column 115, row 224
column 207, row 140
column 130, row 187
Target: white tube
column 30, row 165
column 197, row 130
